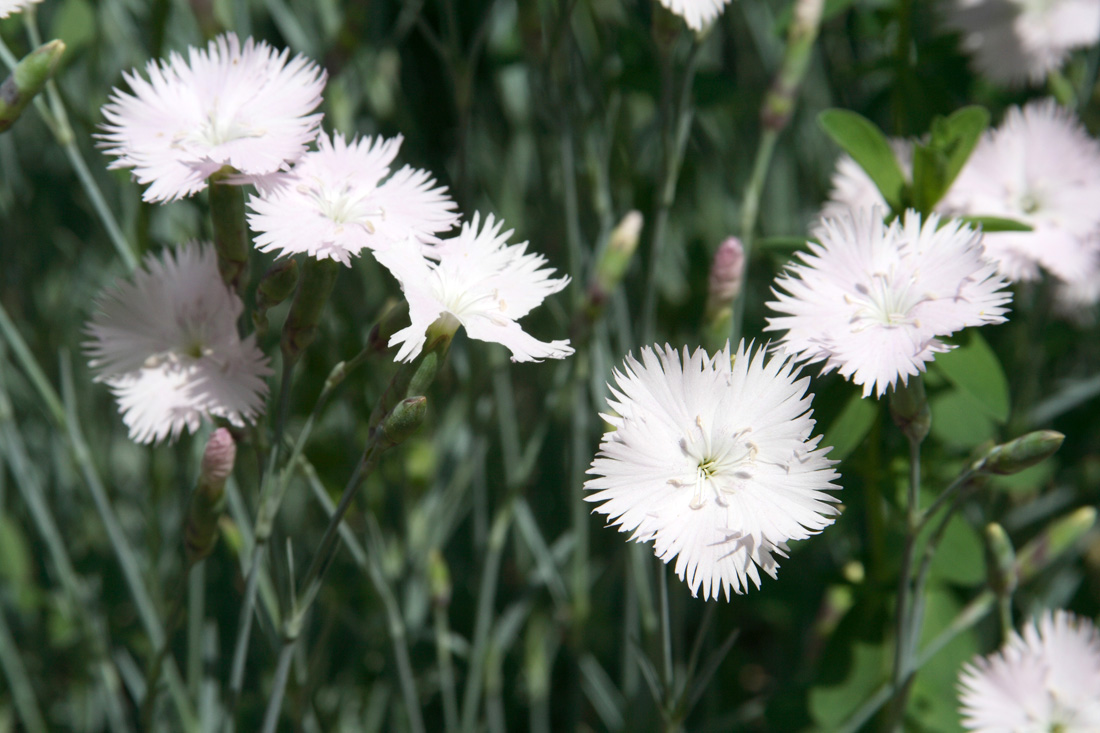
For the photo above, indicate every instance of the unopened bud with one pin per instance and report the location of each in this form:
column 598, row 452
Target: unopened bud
column 314, row 288
column 616, row 258
column 439, row 579
column 909, row 408
column 1037, row 555
column 1000, row 560
column 208, row 499
column 26, row 80
column 403, row 420
column 727, row 270
column 1023, row 452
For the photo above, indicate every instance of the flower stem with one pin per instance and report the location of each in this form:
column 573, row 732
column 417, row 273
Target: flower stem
column 906, row 606
column 231, row 238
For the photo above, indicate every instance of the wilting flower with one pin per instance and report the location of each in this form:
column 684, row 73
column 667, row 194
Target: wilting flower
column 871, row 300
column 244, row 107
column 698, row 14
column 166, row 344
column 1016, row 41
column 1046, row 680
column 477, row 280
column 7, row 7
column 853, row 189
column 335, row 202
column 1041, row 168
column 711, row 458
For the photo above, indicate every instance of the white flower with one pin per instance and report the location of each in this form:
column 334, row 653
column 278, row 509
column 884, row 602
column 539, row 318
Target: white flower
column 871, row 300
column 711, row 458
column 7, row 7
column 478, row 280
column 853, row 189
column 244, row 107
column 334, row 203
column 698, row 14
column 1039, row 167
column 166, row 344
column 1017, row 41
column 1046, row 680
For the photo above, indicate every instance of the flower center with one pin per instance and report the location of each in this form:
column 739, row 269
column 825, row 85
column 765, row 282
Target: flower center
column 722, row 466
column 344, row 203
column 884, row 302
column 218, row 129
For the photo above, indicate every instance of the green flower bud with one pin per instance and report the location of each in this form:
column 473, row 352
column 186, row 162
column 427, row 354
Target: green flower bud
column 26, row 80
column 276, row 285
column 403, row 420
column 231, row 238
column 439, row 579
column 909, row 408
column 1058, row 537
column 1023, row 452
column 1000, row 560
column 314, row 288
column 208, row 500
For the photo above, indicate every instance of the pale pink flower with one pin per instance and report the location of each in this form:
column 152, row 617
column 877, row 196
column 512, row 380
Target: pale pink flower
column 341, row 199
column 711, row 459
column 1041, row 168
column 698, row 14
column 8, row 7
column 477, row 280
column 1018, row 41
column 871, row 300
column 227, row 105
column 1047, row 679
column 166, row 344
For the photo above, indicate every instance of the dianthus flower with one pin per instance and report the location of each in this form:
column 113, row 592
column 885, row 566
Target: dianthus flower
column 872, row 300
column 1017, row 41
column 166, row 344
column 8, row 7
column 477, row 280
column 698, row 14
column 711, row 459
column 335, row 202
column 243, row 107
column 1041, row 168
column 1046, row 680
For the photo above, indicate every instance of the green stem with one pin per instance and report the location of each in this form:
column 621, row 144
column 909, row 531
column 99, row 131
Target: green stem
column 750, row 208
column 906, row 607
column 278, row 687
column 446, row 667
column 231, row 239
column 666, row 626
column 22, row 692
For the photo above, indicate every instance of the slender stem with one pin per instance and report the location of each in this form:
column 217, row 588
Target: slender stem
column 57, row 119
column 152, row 675
column 666, row 626
column 906, row 606
column 750, row 209
column 446, row 667
column 22, row 692
column 278, row 687
column 196, row 613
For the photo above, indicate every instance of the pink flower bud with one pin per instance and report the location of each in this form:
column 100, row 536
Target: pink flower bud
column 218, row 459
column 726, row 273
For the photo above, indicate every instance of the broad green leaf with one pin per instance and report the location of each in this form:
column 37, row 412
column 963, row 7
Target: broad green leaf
column 960, row 420
column 831, row 705
column 996, row 224
column 868, row 146
column 975, row 369
column 850, row 427
column 959, row 557
column 937, row 163
column 928, row 174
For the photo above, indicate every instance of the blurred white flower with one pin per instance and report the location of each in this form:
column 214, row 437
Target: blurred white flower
column 1017, row 41
column 698, row 14
column 853, row 189
column 7, row 7
column 244, row 107
column 478, row 280
column 711, row 458
column 334, row 202
column 1039, row 167
column 1046, row 680
column 871, row 300
column 166, row 344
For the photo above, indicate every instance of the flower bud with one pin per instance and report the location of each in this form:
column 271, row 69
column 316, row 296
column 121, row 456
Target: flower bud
column 314, row 288
column 277, row 284
column 909, row 408
column 615, row 260
column 1058, row 537
column 208, row 500
column 26, row 80
column 403, row 420
column 1000, row 560
column 727, row 270
column 1023, row 452
column 439, row 579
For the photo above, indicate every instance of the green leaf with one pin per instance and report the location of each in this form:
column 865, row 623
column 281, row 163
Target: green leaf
column 975, row 369
column 960, row 420
column 996, row 224
column 831, row 705
column 850, row 427
column 937, row 163
column 868, row 146
column 959, row 557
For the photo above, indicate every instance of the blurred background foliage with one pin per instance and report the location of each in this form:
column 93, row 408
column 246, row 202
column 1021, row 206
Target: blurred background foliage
column 554, row 116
